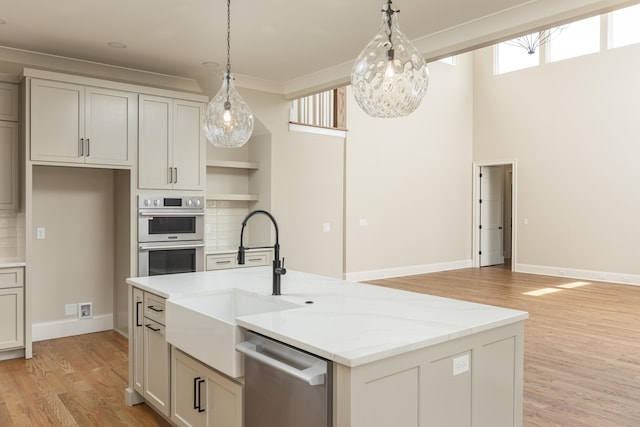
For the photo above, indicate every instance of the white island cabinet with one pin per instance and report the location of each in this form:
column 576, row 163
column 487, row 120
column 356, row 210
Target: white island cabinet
column 399, row 358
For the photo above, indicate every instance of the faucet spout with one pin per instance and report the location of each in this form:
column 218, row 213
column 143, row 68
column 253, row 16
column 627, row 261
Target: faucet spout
column 278, row 265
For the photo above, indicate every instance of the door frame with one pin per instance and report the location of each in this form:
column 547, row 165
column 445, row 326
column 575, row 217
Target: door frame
column 475, row 226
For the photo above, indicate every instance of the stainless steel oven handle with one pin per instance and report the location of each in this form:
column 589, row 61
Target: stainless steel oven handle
column 313, row 375
column 172, row 214
column 144, row 247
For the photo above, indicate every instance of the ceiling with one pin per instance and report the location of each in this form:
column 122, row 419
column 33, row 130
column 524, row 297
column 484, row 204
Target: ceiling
column 286, row 46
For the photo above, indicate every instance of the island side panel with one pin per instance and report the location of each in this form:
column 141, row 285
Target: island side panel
column 431, row 386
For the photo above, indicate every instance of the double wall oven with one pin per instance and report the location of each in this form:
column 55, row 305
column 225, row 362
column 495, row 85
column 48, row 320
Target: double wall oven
column 170, row 234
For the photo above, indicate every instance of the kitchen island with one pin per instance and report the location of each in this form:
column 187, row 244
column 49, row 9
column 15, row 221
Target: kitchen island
column 400, row 358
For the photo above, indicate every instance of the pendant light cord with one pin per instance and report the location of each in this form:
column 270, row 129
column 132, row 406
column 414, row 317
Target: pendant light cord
column 389, row 11
column 228, row 48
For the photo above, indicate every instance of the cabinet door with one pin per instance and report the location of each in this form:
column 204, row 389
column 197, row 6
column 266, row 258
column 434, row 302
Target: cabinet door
column 110, row 126
column 224, row 402
column 186, row 387
column 8, row 165
column 188, row 152
column 9, row 102
column 11, row 318
column 156, row 366
column 57, row 121
column 138, row 340
column 155, row 130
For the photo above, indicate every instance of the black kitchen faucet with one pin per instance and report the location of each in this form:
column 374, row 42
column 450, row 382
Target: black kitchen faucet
column 278, row 265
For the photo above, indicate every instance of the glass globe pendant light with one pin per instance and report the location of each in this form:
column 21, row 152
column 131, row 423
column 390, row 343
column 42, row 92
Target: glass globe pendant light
column 390, row 76
column 228, row 121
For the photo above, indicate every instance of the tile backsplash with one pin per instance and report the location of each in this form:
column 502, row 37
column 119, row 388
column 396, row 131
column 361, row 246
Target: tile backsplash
column 9, row 231
column 223, row 222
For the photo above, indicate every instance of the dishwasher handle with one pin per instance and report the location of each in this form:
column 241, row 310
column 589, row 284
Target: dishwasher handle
column 313, row 375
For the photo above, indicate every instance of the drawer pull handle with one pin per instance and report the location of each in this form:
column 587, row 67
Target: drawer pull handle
column 223, row 262
column 195, row 393
column 138, row 313
column 157, row 310
column 254, row 259
column 152, row 328
column 200, row 408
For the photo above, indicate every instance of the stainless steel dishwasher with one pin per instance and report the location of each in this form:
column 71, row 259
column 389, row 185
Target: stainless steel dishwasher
column 284, row 386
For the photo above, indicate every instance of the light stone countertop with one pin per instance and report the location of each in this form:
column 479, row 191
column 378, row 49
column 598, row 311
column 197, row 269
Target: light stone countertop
column 349, row 323
column 10, row 263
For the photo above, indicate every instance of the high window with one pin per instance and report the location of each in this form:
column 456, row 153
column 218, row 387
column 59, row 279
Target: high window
column 511, row 57
column 624, row 26
column 579, row 38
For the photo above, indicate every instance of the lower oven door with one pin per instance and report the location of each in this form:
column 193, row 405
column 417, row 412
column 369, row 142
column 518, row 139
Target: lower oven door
column 162, row 258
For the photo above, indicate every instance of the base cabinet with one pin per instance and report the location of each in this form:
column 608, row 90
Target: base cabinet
column 222, row 261
column 11, row 308
column 475, row 380
column 151, row 354
column 201, row 396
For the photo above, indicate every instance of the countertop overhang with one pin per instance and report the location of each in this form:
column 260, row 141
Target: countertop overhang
column 347, row 322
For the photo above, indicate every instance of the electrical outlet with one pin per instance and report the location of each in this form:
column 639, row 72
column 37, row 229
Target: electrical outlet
column 461, row 364
column 40, row 233
column 85, row 310
column 326, row 227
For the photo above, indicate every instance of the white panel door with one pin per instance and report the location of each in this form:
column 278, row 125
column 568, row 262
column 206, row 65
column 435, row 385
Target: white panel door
column 491, row 208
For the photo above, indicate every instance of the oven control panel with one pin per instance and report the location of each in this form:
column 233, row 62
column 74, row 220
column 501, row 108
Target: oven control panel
column 175, row 202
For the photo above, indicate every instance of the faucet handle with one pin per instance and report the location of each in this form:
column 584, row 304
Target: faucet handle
column 280, row 267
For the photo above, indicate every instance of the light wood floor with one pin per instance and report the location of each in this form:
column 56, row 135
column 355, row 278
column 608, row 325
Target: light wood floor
column 75, row 381
column 582, row 357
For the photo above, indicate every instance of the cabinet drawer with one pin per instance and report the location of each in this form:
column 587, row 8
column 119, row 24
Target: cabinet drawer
column 154, row 326
column 11, row 277
column 219, row 262
column 256, row 259
column 154, row 308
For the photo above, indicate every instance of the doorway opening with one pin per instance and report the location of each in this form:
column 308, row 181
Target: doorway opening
column 494, row 213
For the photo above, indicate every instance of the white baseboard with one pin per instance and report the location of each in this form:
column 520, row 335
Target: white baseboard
column 67, row 328
column 597, row 276
column 406, row 271
column 12, row 354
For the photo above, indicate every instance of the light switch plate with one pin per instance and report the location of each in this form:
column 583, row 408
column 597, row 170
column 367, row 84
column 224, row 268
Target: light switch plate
column 40, row 233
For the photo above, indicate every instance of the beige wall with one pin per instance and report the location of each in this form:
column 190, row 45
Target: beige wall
column 410, row 178
column 306, row 189
column 306, row 177
column 573, row 127
column 75, row 261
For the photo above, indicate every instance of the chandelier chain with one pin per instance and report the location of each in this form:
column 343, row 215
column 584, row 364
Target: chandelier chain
column 228, row 36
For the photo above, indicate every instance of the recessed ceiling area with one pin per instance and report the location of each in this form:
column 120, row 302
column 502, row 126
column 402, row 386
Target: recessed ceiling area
column 289, row 45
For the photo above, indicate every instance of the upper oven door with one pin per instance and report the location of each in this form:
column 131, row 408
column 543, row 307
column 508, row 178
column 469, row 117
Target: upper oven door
column 166, row 225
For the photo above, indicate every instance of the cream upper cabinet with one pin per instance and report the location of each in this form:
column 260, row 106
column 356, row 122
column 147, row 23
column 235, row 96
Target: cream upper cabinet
column 72, row 123
column 8, row 165
column 171, row 144
column 8, row 102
